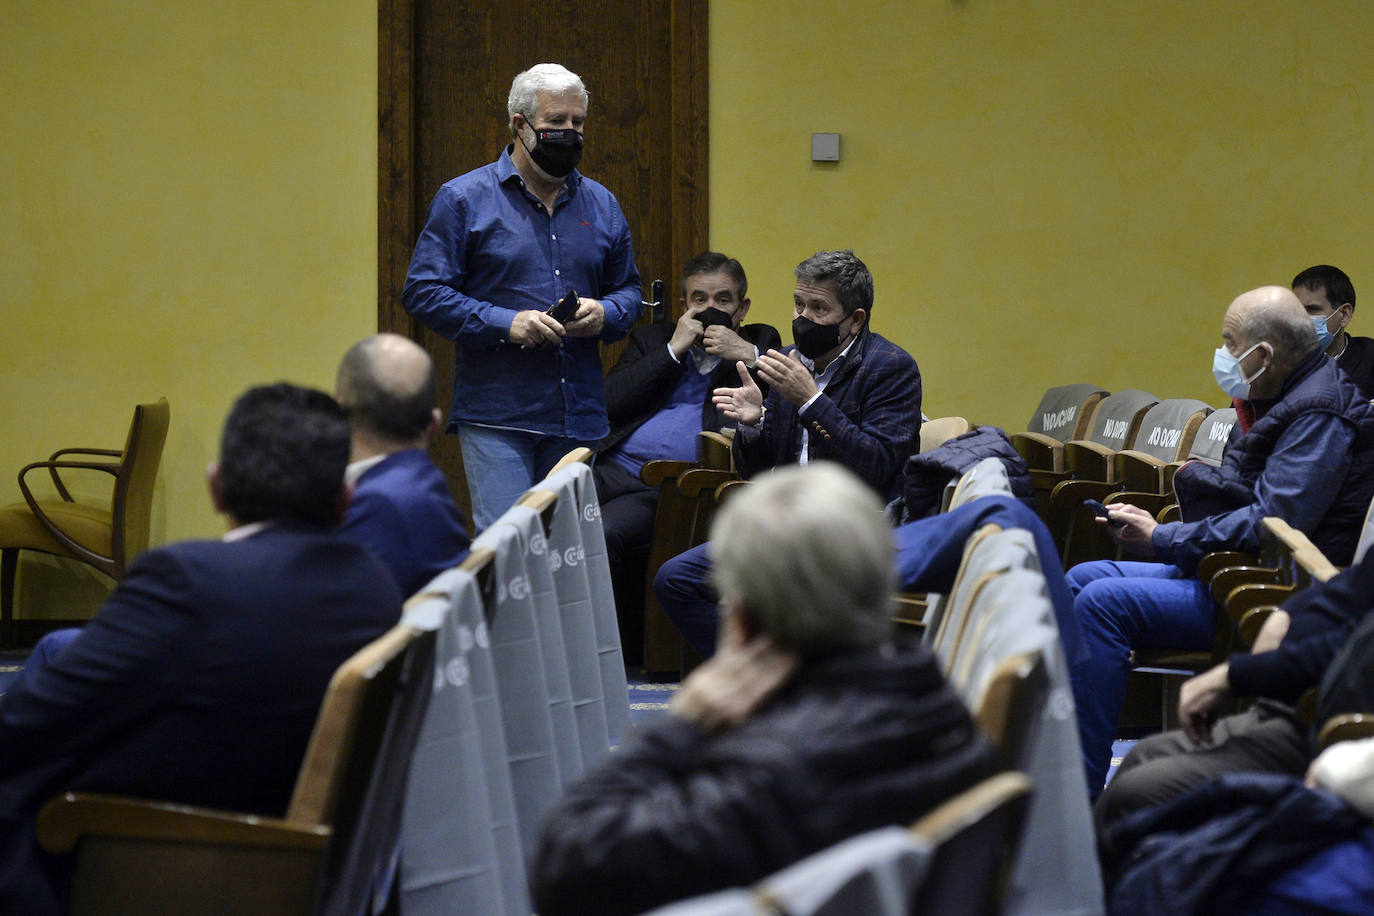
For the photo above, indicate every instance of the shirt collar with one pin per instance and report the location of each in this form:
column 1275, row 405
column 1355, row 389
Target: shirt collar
column 243, row 532
column 357, row 469
column 505, row 173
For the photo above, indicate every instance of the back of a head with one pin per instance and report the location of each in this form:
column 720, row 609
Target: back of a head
column 846, row 273
column 1274, row 314
column 806, row 553
column 282, row 456
column 1331, row 281
column 386, row 383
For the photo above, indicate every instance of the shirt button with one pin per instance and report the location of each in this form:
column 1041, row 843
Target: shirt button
column 554, row 237
column 557, row 273
column 562, row 381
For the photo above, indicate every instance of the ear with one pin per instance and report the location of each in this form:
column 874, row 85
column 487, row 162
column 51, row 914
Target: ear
column 741, row 312
column 860, row 317
column 1349, row 315
column 213, row 482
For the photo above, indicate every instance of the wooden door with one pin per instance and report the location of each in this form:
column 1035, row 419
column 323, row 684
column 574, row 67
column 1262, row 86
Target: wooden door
column 444, row 71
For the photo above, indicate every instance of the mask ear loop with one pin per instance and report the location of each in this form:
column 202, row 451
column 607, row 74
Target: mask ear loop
column 1260, row 370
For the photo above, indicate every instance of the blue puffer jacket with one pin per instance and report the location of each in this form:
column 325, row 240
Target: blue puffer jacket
column 1316, row 385
column 925, row 475
column 1206, row 850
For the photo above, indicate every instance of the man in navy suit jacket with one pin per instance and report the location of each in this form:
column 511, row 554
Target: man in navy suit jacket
column 843, row 393
column 200, row 679
column 401, row 508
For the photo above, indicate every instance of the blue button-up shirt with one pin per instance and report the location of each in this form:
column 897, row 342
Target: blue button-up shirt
column 489, row 249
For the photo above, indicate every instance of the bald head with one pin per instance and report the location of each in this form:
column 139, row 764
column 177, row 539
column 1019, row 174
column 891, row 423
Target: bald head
column 1270, row 315
column 386, row 383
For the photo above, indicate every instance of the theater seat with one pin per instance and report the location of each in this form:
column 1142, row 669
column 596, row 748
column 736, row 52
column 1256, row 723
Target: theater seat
column 107, row 539
column 1062, row 414
column 329, row 854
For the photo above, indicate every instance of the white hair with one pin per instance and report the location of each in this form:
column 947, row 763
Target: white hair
column 807, row 556
column 555, row 79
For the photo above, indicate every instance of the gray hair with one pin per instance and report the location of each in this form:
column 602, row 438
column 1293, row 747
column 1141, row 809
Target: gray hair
column 805, row 553
column 1284, row 325
column 846, row 273
column 525, row 88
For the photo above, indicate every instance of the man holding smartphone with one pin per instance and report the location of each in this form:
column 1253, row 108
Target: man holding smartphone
column 502, row 247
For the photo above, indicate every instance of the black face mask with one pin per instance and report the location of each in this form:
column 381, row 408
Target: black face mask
column 814, row 340
column 556, row 152
column 712, row 316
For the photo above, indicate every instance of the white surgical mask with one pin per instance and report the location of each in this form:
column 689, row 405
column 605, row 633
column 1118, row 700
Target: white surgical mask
column 1226, row 370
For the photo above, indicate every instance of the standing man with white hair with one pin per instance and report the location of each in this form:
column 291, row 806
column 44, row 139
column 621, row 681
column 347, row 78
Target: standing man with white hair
column 502, row 247
column 810, row 724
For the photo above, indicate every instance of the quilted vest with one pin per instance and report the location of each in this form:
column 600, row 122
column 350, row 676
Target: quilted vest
column 1316, row 386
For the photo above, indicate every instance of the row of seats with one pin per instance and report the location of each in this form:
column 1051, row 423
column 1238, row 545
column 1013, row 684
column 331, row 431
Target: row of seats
column 447, row 739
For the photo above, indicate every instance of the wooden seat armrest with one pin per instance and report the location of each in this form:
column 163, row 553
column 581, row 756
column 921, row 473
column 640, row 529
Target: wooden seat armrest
column 696, row 481
column 1153, row 503
column 1040, row 452
column 107, row 452
column 714, row 450
column 1169, row 513
column 1227, row 580
column 68, row 817
column 1252, row 621
column 1346, row 727
column 1136, row 470
column 1213, row 562
column 728, row 489
column 1068, row 495
column 1089, row 459
column 111, row 468
column 654, row 473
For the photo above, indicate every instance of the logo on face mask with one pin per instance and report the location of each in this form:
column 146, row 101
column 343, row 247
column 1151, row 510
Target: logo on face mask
column 556, row 152
column 814, row 340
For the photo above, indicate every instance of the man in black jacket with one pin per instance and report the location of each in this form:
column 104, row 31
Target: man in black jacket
column 1294, row 649
column 658, row 397
column 810, row 724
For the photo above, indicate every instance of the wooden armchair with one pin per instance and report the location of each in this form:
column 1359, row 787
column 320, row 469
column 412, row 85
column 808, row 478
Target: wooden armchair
column 327, row 855
column 974, row 837
column 1063, row 414
column 107, row 539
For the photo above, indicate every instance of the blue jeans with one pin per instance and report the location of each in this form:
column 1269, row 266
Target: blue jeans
column 501, row 464
column 1120, row 606
column 683, row 586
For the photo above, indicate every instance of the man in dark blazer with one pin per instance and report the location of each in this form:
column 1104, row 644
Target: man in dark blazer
column 658, row 397
column 199, row 680
column 401, row 508
column 843, row 393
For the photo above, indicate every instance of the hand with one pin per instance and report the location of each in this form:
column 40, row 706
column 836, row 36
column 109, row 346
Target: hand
column 1272, row 633
column 744, row 404
column 1131, row 527
column 730, row 686
column 725, row 343
column 533, row 329
column 686, row 333
column 787, row 376
column 1199, row 699
column 589, row 319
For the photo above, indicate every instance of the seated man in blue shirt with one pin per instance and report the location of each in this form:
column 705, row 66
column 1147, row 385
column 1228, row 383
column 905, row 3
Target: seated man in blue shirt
column 401, row 508
column 844, row 393
column 1306, row 455
column 502, row 245
column 658, row 397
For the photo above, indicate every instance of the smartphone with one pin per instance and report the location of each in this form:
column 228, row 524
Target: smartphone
column 1099, row 510
column 564, row 310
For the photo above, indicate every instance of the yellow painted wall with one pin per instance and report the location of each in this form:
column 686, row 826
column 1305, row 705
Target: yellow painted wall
column 187, row 208
column 1046, row 192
